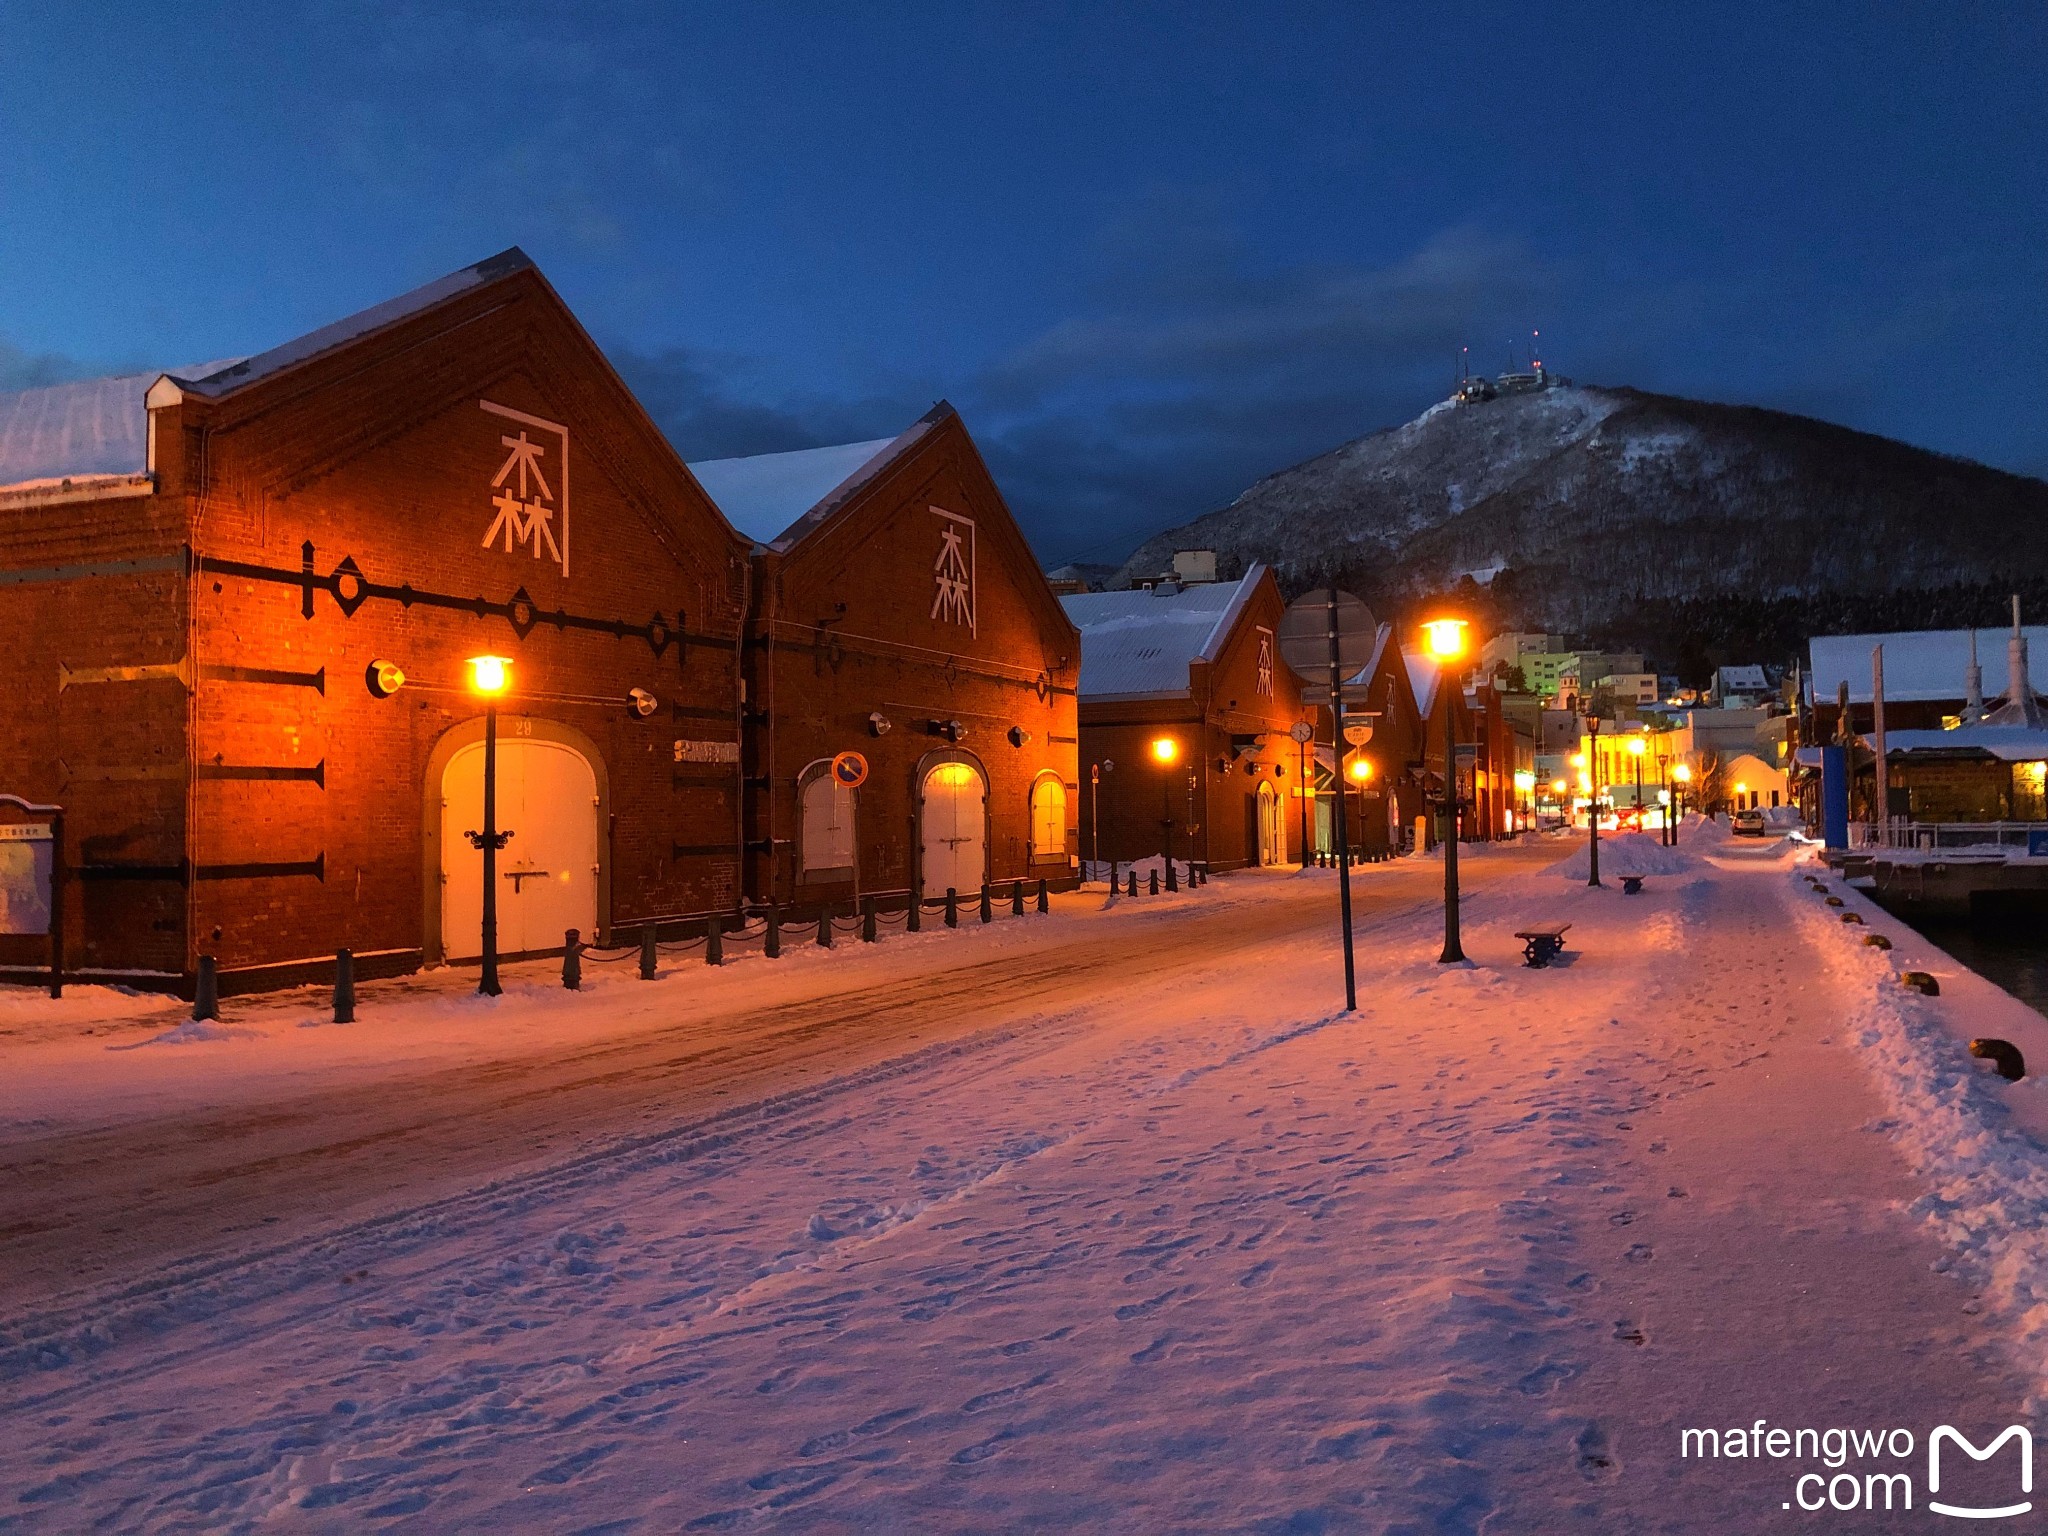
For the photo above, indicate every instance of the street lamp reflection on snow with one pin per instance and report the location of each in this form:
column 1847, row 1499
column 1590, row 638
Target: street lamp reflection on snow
column 490, row 676
column 1445, row 639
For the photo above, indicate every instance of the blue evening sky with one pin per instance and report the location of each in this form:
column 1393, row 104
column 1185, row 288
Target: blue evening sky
column 1152, row 251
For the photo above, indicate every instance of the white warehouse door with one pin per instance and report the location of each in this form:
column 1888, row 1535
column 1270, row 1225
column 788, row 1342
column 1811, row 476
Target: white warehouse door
column 547, row 873
column 953, row 845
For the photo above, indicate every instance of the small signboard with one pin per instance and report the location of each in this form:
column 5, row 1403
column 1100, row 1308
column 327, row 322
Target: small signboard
column 26, row 852
column 707, row 751
column 1358, row 734
column 850, row 770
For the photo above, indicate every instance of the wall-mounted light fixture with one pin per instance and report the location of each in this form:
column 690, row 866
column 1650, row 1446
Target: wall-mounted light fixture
column 384, row 678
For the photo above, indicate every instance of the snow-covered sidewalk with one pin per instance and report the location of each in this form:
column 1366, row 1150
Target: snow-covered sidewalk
column 1188, row 1251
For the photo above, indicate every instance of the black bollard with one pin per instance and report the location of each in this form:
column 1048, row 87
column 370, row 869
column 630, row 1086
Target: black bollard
column 1134, row 882
column 647, row 951
column 913, row 915
column 867, row 919
column 952, row 907
column 344, row 986
column 1154, row 881
column 771, row 945
column 714, row 940
column 1044, row 897
column 824, row 927
column 1172, row 876
column 206, row 990
column 988, row 911
column 572, row 964
column 1016, row 898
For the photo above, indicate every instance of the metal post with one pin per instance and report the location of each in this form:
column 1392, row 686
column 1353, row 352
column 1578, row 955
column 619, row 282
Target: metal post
column 344, row 986
column 1153, row 882
column 1453, row 949
column 714, row 940
column 1637, row 759
column 1016, row 898
column 57, row 877
column 487, row 983
column 1343, row 831
column 572, row 960
column 825, row 927
column 1095, row 821
column 1593, row 810
column 206, row 990
column 1044, row 897
column 1172, row 877
column 1134, row 879
column 648, row 952
column 988, row 911
column 1302, row 791
column 867, row 919
column 952, row 907
column 771, row 944
column 913, row 915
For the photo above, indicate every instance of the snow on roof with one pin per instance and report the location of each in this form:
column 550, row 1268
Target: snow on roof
column 101, row 427
column 1143, row 641
column 70, row 431
column 1422, row 678
column 2007, row 743
column 765, row 495
column 1742, row 680
column 1923, row 665
column 218, row 380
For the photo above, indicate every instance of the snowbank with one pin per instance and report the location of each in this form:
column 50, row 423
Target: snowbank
column 1628, row 853
column 1964, row 1131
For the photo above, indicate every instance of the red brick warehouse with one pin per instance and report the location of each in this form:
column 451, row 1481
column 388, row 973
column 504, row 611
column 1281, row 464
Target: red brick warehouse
column 1186, row 710
column 196, row 574
column 899, row 620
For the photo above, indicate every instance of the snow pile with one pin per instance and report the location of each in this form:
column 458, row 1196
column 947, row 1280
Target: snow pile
column 194, row 1032
column 1627, row 853
column 1956, row 1123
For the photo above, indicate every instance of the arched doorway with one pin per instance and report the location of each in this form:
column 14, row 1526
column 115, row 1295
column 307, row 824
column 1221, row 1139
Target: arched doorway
column 548, row 873
column 952, row 825
column 1272, row 834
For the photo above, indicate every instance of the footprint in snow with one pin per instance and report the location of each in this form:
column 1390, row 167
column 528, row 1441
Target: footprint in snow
column 1640, row 1253
column 1595, row 1456
column 1630, row 1333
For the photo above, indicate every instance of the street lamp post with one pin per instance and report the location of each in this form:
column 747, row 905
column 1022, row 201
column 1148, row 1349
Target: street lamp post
column 490, row 676
column 1681, row 776
column 1095, row 814
column 1446, row 639
column 1166, row 752
column 1635, row 750
column 1593, row 807
column 1664, row 785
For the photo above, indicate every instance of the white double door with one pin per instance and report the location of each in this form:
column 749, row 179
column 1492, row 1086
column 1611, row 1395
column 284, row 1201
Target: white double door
column 547, row 872
column 953, row 830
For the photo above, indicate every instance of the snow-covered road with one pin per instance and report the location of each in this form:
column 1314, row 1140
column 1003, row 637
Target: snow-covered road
column 1111, row 1224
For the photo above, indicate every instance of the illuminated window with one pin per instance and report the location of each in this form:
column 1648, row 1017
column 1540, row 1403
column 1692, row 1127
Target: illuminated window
column 1048, row 818
column 2030, row 791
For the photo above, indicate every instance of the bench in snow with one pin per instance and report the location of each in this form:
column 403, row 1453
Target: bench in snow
column 1540, row 946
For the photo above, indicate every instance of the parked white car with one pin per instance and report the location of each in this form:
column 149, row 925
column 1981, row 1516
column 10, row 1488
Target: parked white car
column 1749, row 824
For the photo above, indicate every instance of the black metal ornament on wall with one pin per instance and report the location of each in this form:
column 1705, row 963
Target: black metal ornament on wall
column 350, row 589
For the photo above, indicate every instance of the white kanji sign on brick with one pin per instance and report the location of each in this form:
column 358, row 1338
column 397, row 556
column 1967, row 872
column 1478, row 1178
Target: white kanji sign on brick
column 1265, row 661
column 953, row 570
column 530, row 493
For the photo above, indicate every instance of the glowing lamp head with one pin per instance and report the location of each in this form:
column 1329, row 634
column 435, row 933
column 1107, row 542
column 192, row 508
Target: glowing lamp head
column 1557, row 786
column 1361, row 769
column 1635, row 746
column 1165, row 750
column 1578, row 759
column 1741, row 788
column 490, row 675
column 1445, row 638
column 1682, row 773
column 384, row 678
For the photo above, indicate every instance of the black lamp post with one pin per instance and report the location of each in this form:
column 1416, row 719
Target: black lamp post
column 490, row 676
column 1446, row 643
column 1593, row 809
column 1166, row 752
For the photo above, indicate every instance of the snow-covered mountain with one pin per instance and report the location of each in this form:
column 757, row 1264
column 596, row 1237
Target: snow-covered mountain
column 1580, row 504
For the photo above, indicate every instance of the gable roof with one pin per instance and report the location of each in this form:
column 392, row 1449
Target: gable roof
column 1141, row 642
column 101, row 426
column 88, row 427
column 1423, row 676
column 1920, row 666
column 765, row 495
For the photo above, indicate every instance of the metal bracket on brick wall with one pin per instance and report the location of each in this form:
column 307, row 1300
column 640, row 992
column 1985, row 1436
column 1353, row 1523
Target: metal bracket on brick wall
column 350, row 589
column 317, row 774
